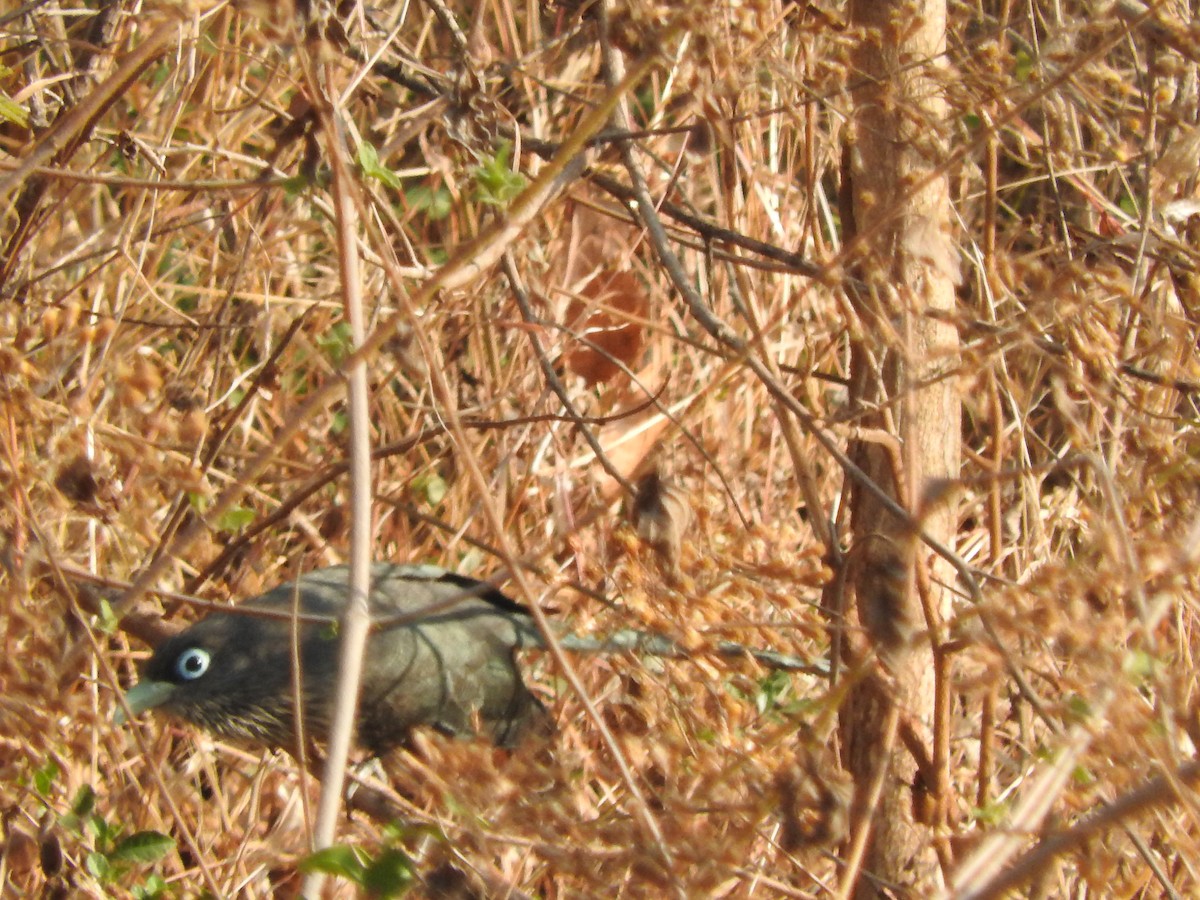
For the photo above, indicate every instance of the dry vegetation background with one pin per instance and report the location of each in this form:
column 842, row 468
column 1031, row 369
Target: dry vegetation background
column 171, row 302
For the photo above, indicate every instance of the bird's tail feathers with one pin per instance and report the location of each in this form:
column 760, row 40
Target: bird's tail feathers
column 630, row 640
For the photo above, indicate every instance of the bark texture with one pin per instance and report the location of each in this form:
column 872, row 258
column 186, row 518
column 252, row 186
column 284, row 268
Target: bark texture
column 910, row 416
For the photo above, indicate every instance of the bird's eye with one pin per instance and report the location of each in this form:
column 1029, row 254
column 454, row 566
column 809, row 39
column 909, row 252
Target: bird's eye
column 192, row 663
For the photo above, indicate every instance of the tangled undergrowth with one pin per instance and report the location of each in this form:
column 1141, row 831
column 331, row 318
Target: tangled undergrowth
column 174, row 341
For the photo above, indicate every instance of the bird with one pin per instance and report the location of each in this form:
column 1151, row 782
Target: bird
column 441, row 650
column 441, row 653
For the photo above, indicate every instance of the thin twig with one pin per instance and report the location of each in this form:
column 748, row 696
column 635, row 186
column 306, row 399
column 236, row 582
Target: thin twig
column 357, row 615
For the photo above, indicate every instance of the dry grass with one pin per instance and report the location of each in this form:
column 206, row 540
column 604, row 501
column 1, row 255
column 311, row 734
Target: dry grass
column 176, row 301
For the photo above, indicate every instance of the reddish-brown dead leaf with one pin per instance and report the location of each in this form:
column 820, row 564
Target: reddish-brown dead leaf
column 604, row 317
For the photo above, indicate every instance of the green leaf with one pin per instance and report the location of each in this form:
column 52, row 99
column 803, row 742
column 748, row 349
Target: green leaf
column 98, row 866
column 368, row 160
column 1079, row 707
column 992, row 814
column 770, row 689
column 340, row 422
column 12, row 111
column 235, row 519
column 44, row 777
column 295, row 186
column 107, row 621
column 161, row 73
column 101, row 829
column 497, row 184
column 151, row 889
column 85, row 802
column 143, row 847
column 1023, row 66
column 340, row 860
column 390, row 875
column 397, row 831
column 337, row 342
column 1139, row 665
column 432, row 487
column 645, row 99
column 436, row 203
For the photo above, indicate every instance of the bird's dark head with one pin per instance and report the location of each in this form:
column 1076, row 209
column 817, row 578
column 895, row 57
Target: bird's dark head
column 229, row 673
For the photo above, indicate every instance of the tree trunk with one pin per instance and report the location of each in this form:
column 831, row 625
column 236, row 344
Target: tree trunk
column 900, row 221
